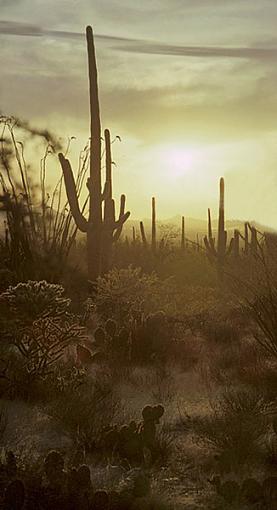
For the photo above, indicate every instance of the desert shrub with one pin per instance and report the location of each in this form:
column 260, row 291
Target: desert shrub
column 165, row 445
column 3, row 421
column 150, row 338
column 189, row 268
column 235, row 427
column 84, row 410
column 39, row 228
column 221, row 331
column 255, row 287
column 36, row 332
column 122, row 291
column 27, row 302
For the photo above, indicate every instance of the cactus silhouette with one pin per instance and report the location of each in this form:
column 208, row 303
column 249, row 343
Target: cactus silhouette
column 112, row 228
column 254, row 241
column 183, row 246
column 101, row 232
column 220, row 252
column 246, row 239
column 153, row 229
column 236, row 245
column 143, row 235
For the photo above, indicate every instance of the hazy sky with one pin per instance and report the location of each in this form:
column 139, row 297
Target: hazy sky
column 189, row 85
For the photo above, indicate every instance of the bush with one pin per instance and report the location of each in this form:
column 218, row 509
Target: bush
column 27, row 302
column 236, row 426
column 84, row 410
column 37, row 330
column 122, row 291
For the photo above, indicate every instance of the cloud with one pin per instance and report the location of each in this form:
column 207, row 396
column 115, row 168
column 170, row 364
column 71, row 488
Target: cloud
column 25, row 29
column 202, row 51
column 143, row 46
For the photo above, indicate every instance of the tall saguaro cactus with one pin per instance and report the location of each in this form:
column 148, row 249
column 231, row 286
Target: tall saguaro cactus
column 220, row 252
column 101, row 230
column 183, row 241
column 154, row 229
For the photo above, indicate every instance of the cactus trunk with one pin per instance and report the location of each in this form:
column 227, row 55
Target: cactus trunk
column 101, row 232
column 142, row 233
column 236, row 243
column 183, row 234
column 219, row 253
column 154, row 230
column 222, row 234
column 94, row 234
column 246, row 239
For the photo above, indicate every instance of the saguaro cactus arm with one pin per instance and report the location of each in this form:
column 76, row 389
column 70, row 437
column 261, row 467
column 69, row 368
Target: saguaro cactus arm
column 109, row 209
column 123, row 217
column 71, row 192
column 210, row 241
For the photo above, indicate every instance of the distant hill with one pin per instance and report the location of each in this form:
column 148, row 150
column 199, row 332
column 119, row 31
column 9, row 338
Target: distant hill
column 193, row 226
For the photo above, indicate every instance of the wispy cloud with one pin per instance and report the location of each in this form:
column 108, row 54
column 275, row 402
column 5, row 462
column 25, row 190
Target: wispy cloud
column 143, row 46
column 201, row 51
column 25, row 29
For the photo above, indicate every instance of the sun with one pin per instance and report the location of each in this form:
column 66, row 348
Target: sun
column 178, row 161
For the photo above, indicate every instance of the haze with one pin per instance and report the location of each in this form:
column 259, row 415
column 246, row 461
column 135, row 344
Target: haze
column 189, row 85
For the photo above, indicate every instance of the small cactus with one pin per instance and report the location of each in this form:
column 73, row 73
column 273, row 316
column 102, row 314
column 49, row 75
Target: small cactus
column 53, row 466
column 111, row 327
column 14, row 496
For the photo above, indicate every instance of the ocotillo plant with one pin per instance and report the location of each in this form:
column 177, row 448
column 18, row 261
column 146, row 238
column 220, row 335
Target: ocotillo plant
column 96, row 227
column 220, row 252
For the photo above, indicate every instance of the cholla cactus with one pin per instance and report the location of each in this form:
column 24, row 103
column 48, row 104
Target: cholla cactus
column 27, row 302
column 101, row 231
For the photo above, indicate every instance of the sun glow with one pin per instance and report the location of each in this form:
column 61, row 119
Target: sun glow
column 180, row 161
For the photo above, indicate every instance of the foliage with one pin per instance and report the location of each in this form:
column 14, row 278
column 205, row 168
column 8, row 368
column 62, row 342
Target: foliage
column 236, row 425
column 36, row 329
column 255, row 285
column 122, row 291
column 38, row 227
column 33, row 300
column 85, row 410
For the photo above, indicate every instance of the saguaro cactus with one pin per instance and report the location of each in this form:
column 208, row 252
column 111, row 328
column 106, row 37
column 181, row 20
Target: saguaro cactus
column 154, row 230
column 254, row 241
column 101, row 232
column 236, row 243
column 183, row 234
column 111, row 228
column 220, row 252
column 246, row 239
column 143, row 235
